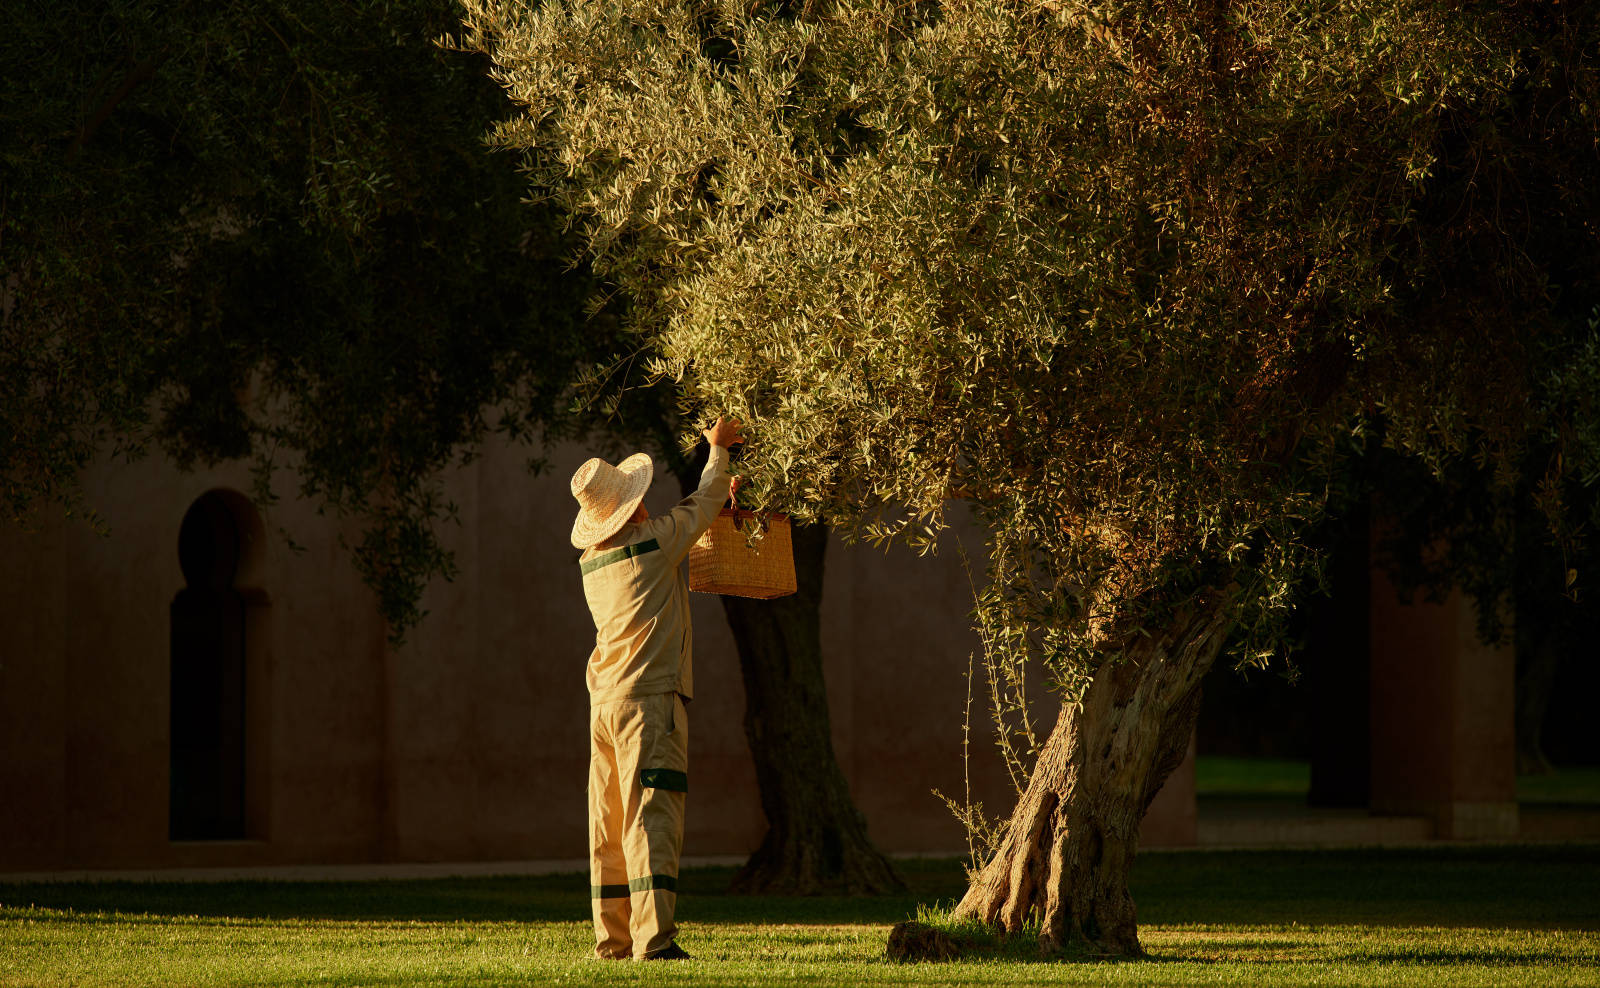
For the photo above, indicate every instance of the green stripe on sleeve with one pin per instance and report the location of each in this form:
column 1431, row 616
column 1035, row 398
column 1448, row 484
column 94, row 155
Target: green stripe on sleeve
column 669, row 779
column 609, row 891
column 618, row 555
column 653, row 883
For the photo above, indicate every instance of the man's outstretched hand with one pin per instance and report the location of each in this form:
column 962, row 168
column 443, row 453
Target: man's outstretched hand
column 725, row 433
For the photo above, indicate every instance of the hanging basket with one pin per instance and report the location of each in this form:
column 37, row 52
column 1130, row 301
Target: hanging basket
column 723, row 560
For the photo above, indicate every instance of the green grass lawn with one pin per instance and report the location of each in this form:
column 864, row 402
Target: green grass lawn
column 1445, row 916
column 1218, row 775
column 1567, row 785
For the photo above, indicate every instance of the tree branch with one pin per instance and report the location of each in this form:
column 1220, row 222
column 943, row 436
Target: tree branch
column 141, row 73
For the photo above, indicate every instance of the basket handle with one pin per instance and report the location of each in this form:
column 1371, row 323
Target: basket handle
column 733, row 505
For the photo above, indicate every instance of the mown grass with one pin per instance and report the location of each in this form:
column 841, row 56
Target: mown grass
column 1219, row 775
column 1568, row 785
column 1223, row 776
column 1446, row 916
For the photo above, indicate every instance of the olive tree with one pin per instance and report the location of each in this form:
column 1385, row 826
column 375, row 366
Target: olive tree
column 1131, row 277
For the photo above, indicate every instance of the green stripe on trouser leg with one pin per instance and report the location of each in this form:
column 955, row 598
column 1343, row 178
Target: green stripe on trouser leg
column 653, row 883
column 610, row 891
column 664, row 778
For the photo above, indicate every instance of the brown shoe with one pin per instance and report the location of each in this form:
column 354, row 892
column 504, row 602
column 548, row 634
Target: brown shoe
column 671, row 952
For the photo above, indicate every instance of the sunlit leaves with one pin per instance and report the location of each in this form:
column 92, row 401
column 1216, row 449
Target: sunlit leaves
column 1120, row 274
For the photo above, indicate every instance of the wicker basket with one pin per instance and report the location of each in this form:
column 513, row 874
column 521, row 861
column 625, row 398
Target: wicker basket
column 724, row 562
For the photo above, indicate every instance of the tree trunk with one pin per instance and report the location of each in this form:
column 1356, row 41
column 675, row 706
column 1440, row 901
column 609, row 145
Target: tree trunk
column 1542, row 640
column 816, row 839
column 1544, row 622
column 1068, row 850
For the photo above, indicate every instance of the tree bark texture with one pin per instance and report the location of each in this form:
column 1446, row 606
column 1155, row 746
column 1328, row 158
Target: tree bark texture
column 816, row 839
column 1068, row 849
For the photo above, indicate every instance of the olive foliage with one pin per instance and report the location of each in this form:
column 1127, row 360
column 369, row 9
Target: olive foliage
column 1133, row 277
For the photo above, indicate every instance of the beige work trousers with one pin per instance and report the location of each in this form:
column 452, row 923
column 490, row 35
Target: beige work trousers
column 638, row 777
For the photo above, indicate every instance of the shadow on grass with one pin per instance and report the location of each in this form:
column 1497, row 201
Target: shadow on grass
column 1547, row 887
column 1434, row 958
column 1503, row 886
column 519, row 899
column 969, row 946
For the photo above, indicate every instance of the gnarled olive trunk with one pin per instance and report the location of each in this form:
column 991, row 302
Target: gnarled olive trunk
column 1068, row 850
column 816, row 839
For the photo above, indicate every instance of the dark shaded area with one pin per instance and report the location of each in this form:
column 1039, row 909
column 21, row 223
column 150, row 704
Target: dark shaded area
column 1318, row 711
column 1258, row 713
column 1511, row 887
column 208, row 707
column 1568, row 726
column 1508, row 887
column 704, row 897
column 1336, row 660
column 213, row 203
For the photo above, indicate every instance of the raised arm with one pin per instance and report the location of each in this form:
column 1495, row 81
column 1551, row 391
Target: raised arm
column 678, row 529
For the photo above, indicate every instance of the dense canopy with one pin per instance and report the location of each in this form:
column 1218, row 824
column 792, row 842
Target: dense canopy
column 271, row 232
column 1122, row 273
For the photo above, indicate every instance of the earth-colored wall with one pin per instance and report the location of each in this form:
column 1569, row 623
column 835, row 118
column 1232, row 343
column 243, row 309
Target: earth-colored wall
column 467, row 743
column 1443, row 715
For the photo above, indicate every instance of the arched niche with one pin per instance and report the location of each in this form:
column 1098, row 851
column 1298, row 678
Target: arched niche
column 217, row 689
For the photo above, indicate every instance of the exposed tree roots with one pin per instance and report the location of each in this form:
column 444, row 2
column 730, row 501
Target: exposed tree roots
column 1068, row 850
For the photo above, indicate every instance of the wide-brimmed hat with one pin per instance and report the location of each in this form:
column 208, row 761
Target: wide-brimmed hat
column 608, row 496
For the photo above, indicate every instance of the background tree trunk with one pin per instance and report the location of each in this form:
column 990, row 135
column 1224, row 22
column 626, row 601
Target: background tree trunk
column 1540, row 650
column 1542, row 636
column 816, row 839
column 1068, row 850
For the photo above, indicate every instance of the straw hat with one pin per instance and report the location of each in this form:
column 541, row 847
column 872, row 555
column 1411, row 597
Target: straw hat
column 607, row 496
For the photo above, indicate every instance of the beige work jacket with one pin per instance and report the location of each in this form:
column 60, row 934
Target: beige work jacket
column 640, row 601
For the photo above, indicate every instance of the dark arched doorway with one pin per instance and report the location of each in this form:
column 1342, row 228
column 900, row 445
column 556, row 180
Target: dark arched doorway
column 208, row 676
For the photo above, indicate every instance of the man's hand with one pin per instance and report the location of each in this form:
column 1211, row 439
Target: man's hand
column 725, row 433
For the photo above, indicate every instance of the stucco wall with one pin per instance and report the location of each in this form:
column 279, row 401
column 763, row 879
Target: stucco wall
column 466, row 743
column 84, row 684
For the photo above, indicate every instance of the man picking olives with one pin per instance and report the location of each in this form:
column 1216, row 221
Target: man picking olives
column 640, row 679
